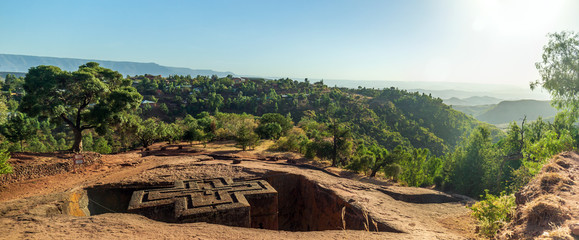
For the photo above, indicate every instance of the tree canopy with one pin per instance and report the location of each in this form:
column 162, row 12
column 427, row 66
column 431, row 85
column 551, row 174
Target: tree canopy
column 559, row 70
column 83, row 99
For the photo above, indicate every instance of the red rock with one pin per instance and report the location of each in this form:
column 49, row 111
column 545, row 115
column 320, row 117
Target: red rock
column 574, row 229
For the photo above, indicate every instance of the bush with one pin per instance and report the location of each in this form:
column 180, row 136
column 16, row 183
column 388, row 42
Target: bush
column 551, row 144
column 295, row 141
column 392, row 171
column 271, row 130
column 493, row 212
column 246, row 137
column 101, row 145
column 4, row 166
column 362, row 163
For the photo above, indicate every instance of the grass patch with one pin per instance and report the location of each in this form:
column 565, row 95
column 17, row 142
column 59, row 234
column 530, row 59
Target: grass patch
column 545, row 211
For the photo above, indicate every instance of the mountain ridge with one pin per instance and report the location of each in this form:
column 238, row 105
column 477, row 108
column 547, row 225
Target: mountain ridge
column 508, row 111
column 21, row 63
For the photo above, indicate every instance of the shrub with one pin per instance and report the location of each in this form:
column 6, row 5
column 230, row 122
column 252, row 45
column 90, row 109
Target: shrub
column 493, row 212
column 4, row 166
column 295, row 141
column 271, row 130
column 101, row 145
column 246, row 137
column 551, row 144
column 392, row 170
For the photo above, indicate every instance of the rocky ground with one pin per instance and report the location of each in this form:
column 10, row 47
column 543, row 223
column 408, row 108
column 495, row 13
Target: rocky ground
column 41, row 208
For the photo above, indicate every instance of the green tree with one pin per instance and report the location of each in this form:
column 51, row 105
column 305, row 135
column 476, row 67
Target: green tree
column 475, row 164
column 20, row 128
column 12, row 83
column 151, row 130
column 383, row 158
column 284, row 122
column 341, row 142
column 102, row 146
column 559, row 70
column 271, row 130
column 124, row 127
column 246, row 137
column 83, row 99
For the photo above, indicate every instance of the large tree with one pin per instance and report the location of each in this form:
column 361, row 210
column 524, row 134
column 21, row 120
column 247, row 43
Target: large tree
column 84, row 99
column 559, row 70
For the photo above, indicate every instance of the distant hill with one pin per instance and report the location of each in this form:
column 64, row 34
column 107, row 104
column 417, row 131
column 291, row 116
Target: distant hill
column 473, row 111
column 508, row 111
column 472, row 101
column 21, row 64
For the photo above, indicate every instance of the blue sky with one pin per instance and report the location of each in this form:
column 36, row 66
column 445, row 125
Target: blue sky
column 416, row 40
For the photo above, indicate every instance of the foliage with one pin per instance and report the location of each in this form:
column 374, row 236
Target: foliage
column 295, row 141
column 101, row 145
column 550, row 144
column 559, row 70
column 271, row 130
column 83, row 99
column 473, row 164
column 151, row 130
column 3, row 110
column 392, row 171
column 493, row 212
column 4, row 165
column 246, row 137
column 228, row 125
column 414, row 171
column 19, row 128
column 284, row 122
column 341, row 142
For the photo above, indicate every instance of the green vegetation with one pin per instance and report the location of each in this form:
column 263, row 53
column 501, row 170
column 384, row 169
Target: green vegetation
column 493, row 212
column 4, row 166
column 527, row 148
column 559, row 70
column 410, row 137
column 407, row 136
column 85, row 99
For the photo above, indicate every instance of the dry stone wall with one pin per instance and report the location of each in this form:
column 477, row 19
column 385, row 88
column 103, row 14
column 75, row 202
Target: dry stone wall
column 22, row 172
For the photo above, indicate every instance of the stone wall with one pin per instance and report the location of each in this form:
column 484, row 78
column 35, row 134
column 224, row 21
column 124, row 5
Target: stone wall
column 21, row 172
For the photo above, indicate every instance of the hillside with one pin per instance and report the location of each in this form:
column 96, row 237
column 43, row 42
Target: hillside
column 472, row 101
column 388, row 117
column 508, row 111
column 473, row 111
column 21, row 64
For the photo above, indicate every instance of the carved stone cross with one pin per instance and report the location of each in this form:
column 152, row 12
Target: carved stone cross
column 218, row 200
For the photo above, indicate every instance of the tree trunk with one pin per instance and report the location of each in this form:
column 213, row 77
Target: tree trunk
column 374, row 171
column 77, row 145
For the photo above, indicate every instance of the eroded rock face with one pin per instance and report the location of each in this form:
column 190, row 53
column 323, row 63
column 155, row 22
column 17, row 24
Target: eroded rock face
column 307, row 206
column 219, row 200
